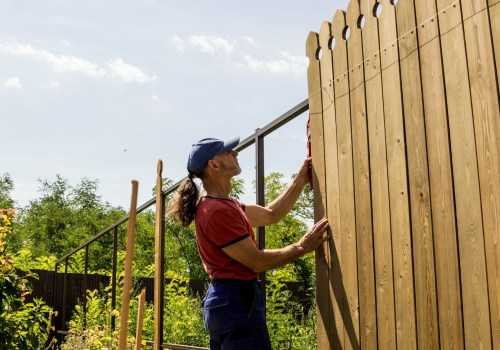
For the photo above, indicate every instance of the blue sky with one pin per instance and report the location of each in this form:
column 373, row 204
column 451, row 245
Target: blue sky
column 103, row 89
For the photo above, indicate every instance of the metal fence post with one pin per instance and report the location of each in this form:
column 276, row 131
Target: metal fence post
column 54, row 298
column 113, row 277
column 260, row 198
column 85, row 286
column 65, row 294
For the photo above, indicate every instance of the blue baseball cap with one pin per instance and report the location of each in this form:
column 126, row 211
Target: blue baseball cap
column 206, row 149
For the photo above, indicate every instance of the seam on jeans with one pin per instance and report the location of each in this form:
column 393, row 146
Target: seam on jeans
column 253, row 302
column 216, row 306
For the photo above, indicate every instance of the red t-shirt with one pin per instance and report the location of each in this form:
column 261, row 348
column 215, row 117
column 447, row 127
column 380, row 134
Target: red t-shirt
column 220, row 223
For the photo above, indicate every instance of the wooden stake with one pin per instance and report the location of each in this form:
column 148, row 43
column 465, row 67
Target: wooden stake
column 127, row 279
column 140, row 320
column 159, row 243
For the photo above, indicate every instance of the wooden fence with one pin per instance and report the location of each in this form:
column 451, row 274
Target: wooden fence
column 43, row 287
column 405, row 127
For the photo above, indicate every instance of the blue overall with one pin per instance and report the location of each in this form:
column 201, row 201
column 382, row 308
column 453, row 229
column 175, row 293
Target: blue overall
column 234, row 315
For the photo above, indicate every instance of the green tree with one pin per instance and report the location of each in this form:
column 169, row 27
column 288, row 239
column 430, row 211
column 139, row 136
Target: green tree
column 6, row 187
column 289, row 230
column 63, row 218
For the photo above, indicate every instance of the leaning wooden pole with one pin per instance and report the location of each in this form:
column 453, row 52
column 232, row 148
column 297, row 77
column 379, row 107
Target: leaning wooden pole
column 140, row 320
column 159, row 259
column 127, row 279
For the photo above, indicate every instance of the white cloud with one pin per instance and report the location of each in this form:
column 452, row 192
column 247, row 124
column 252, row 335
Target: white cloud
column 250, row 40
column 211, row 44
column 128, row 72
column 73, row 64
column 286, row 64
column 55, row 84
column 61, row 63
column 178, row 43
column 159, row 104
column 13, row 83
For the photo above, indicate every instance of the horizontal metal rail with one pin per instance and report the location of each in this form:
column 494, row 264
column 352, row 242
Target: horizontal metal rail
column 250, row 140
column 150, row 343
column 176, row 346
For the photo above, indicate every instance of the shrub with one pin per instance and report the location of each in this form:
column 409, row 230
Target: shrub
column 22, row 325
column 183, row 319
column 290, row 324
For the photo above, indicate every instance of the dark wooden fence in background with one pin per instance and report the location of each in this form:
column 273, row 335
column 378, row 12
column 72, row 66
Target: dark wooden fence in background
column 43, row 288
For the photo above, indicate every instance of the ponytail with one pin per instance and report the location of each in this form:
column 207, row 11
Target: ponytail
column 182, row 207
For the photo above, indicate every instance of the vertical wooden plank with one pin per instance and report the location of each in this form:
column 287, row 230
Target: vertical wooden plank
column 418, row 173
column 465, row 177
column 332, row 186
column 494, row 11
column 140, row 320
column 127, row 278
column 348, row 260
column 159, row 282
column 398, row 183
column 364, row 232
column 320, row 205
column 484, row 93
column 379, row 180
column 440, row 174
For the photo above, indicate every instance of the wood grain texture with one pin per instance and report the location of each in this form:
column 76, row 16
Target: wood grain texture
column 485, row 107
column 418, row 174
column 398, row 183
column 441, row 183
column 348, row 259
column 140, row 320
column 127, row 277
column 323, row 302
column 332, row 187
column 159, row 248
column 465, row 178
column 364, row 231
column 386, row 324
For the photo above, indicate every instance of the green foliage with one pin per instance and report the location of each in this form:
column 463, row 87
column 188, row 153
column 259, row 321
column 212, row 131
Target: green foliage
column 183, row 319
column 24, row 260
column 183, row 315
column 6, row 187
column 63, row 218
column 237, row 187
column 22, row 325
column 289, row 230
column 290, row 324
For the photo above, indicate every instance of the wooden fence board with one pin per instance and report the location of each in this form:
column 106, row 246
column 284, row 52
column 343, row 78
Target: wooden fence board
column 379, row 181
column 320, row 204
column 332, row 186
column 465, row 177
column 348, row 260
column 484, row 94
column 398, row 183
column 440, row 173
column 418, row 174
column 364, row 232
column 412, row 167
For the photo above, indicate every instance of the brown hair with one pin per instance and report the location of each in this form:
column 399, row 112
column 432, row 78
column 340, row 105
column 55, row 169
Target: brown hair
column 182, row 207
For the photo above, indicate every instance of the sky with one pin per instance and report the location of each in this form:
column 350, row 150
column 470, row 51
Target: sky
column 103, row 89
